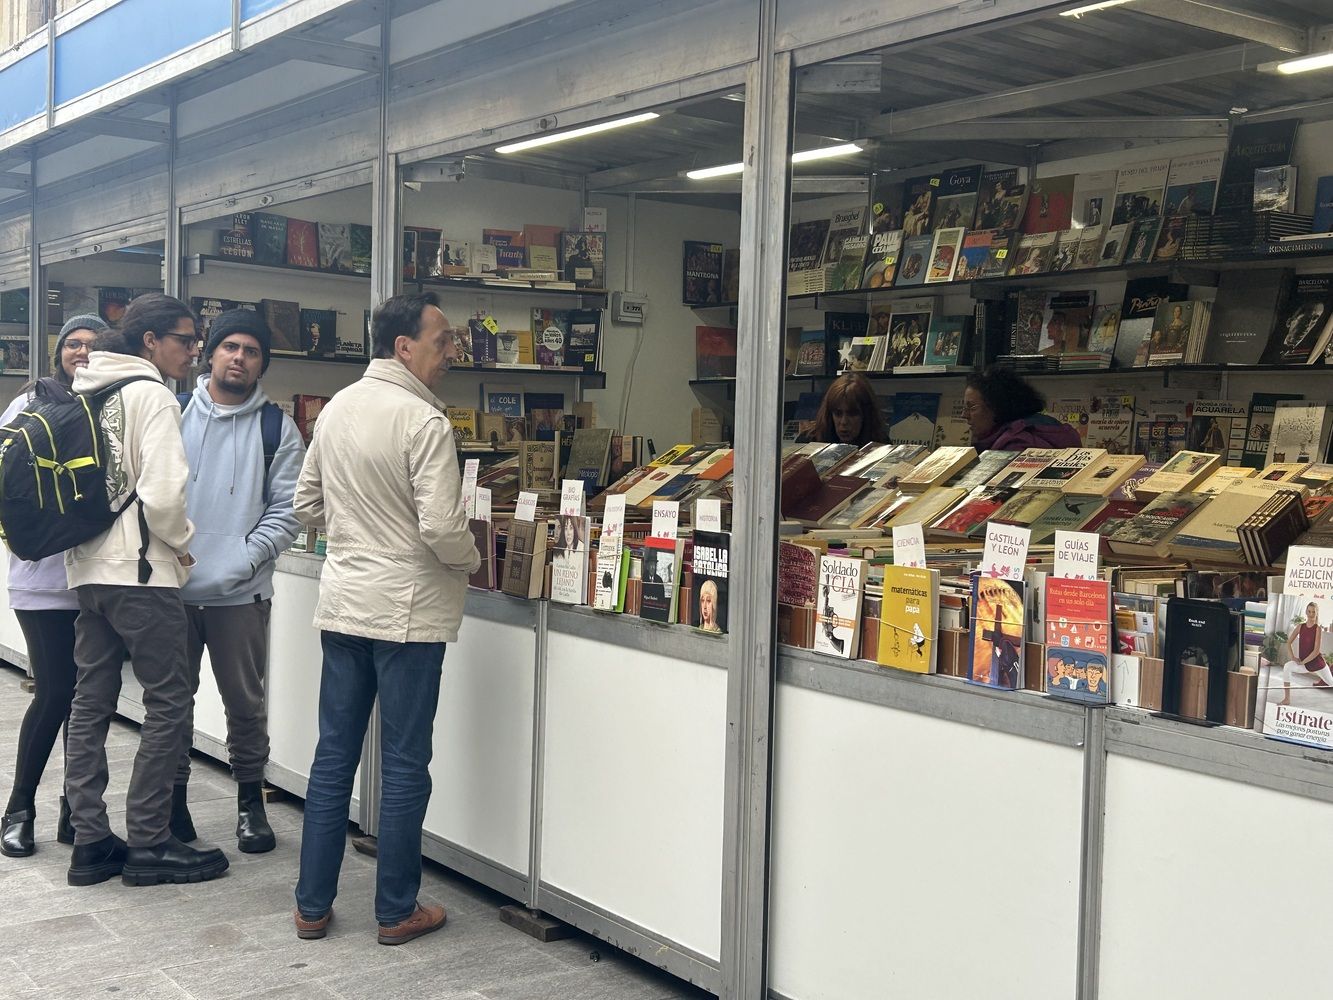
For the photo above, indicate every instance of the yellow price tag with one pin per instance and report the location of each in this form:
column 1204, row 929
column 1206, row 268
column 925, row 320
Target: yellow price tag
column 490, row 324
column 1001, row 254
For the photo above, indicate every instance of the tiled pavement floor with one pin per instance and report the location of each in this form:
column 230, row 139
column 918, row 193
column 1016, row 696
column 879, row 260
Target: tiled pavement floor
column 233, row 937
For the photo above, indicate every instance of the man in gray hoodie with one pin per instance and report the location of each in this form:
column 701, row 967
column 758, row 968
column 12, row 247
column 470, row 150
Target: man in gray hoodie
column 239, row 497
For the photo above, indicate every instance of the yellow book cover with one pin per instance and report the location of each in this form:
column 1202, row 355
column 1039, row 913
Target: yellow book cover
column 907, row 619
column 464, row 422
column 669, row 456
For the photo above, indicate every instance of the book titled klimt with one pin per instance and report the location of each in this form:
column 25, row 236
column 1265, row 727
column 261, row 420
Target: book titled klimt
column 838, row 606
column 908, row 619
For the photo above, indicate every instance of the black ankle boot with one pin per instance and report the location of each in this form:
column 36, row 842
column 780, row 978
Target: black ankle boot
column 182, row 826
column 172, row 861
column 16, row 838
column 253, row 834
column 64, row 828
column 90, row 864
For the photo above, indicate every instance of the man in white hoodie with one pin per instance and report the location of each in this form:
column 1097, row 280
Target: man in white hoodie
column 381, row 477
column 128, row 580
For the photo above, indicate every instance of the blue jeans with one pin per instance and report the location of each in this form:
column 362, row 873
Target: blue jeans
column 406, row 676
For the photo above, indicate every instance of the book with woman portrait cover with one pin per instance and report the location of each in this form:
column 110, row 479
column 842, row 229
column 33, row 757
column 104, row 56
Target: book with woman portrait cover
column 569, row 560
column 1294, row 702
column 709, row 569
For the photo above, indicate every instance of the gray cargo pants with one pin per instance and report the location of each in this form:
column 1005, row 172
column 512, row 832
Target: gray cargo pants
column 237, row 641
column 149, row 624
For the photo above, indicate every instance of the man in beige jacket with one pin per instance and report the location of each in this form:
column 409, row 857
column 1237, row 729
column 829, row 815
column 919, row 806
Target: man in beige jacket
column 381, row 478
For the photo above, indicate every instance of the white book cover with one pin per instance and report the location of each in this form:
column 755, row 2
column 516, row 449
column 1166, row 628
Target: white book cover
column 569, row 560
column 1093, row 191
column 838, row 606
column 944, row 255
column 1294, row 666
column 606, row 594
column 455, row 252
column 846, row 222
column 1300, row 432
column 1138, row 191
column 1191, row 184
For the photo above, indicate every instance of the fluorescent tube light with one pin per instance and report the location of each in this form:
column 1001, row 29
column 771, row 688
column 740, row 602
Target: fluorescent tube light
column 1089, row 8
column 575, row 133
column 846, row 149
column 723, row 171
column 1306, row 63
column 805, row 156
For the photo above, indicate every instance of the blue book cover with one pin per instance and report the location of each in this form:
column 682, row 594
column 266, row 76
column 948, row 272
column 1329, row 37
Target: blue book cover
column 1323, row 206
column 945, row 339
column 912, row 418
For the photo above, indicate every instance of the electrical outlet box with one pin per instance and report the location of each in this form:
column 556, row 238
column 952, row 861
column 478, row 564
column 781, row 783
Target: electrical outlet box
column 629, row 307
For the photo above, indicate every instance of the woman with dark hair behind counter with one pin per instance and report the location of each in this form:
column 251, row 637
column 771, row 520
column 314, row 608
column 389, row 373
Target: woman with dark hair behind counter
column 848, row 414
column 1003, row 413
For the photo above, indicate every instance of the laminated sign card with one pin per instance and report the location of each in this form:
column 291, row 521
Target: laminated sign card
column 1309, row 572
column 1076, row 554
column 1006, row 551
column 909, row 546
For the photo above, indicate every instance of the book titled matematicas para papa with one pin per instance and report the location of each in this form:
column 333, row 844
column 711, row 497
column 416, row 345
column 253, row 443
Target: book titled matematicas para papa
column 907, row 622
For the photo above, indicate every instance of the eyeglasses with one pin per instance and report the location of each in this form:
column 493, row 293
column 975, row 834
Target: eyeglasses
column 970, row 408
column 189, row 340
column 74, row 346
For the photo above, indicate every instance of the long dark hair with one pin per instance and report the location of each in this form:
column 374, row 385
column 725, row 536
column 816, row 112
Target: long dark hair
column 850, row 390
column 1007, row 395
column 151, row 313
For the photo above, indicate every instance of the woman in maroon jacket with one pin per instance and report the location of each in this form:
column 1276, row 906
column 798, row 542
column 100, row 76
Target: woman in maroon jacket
column 1004, row 414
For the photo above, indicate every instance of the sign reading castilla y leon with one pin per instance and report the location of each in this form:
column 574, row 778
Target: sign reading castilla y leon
column 1006, row 551
column 1309, row 572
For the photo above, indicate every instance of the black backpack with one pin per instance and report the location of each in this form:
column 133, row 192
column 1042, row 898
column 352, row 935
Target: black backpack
column 53, row 490
column 270, row 432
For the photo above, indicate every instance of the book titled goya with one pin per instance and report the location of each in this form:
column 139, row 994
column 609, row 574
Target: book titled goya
column 838, row 606
column 712, row 551
column 701, row 278
column 907, row 619
column 1078, row 634
column 996, row 658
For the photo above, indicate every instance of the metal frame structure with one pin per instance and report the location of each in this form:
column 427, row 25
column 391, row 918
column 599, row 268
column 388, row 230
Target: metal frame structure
column 422, row 108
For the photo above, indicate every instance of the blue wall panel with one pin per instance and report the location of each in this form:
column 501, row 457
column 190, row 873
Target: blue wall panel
column 253, row 8
column 23, row 86
column 129, row 36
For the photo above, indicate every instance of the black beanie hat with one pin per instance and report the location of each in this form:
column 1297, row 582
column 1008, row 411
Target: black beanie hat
column 239, row 321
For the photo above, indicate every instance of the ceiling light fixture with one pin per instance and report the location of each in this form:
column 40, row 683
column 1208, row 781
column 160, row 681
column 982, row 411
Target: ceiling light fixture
column 1089, row 8
column 1305, row 64
column 805, row 156
column 576, row 133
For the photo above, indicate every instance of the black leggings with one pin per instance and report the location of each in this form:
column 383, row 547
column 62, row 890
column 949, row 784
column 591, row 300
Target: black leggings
column 50, row 639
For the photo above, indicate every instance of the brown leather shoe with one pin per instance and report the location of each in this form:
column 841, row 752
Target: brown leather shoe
column 424, row 920
column 312, row 930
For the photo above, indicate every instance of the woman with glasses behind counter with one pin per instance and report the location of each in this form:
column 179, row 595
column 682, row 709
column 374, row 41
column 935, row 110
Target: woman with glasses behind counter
column 1003, row 413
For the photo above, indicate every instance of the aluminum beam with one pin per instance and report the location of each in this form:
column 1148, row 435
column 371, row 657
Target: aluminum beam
column 1050, row 129
column 123, row 128
column 10, row 181
column 1080, row 88
column 345, row 55
column 765, row 203
column 1276, row 34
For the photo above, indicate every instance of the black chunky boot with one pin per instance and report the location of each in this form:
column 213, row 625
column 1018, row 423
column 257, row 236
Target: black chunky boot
column 64, row 828
column 16, row 833
column 90, row 864
column 253, row 834
column 182, row 826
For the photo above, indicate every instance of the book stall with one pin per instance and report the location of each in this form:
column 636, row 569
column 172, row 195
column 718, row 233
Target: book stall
column 764, row 707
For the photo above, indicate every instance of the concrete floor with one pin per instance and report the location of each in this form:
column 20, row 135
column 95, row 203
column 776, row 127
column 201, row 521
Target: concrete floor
column 233, row 937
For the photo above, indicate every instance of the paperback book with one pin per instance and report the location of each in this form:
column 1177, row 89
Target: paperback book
column 998, row 632
column 908, row 619
column 709, row 573
column 1078, row 634
column 838, row 606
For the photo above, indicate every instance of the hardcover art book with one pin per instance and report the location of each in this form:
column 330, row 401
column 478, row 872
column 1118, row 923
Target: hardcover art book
column 359, row 238
column 1050, row 205
column 806, row 250
column 335, row 247
column 1253, row 145
column 914, row 260
column 882, row 259
column 702, row 273
column 1139, row 191
column 709, row 572
column 661, row 580
column 319, row 332
column 268, row 233
column 984, row 254
column 838, row 606
column 944, row 254
column 1303, row 328
column 1000, row 200
column 1191, row 184
column 998, row 624
column 956, row 204
column 583, row 260
column 919, row 194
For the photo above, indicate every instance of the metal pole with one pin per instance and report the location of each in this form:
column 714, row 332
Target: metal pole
column 1090, row 862
column 765, row 201
column 171, row 244
column 38, row 363
column 540, row 631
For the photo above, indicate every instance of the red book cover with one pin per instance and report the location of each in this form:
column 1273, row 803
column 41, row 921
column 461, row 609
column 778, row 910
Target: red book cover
column 1078, row 639
column 1114, row 514
column 302, row 243
column 714, row 352
column 972, row 512
column 835, row 491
